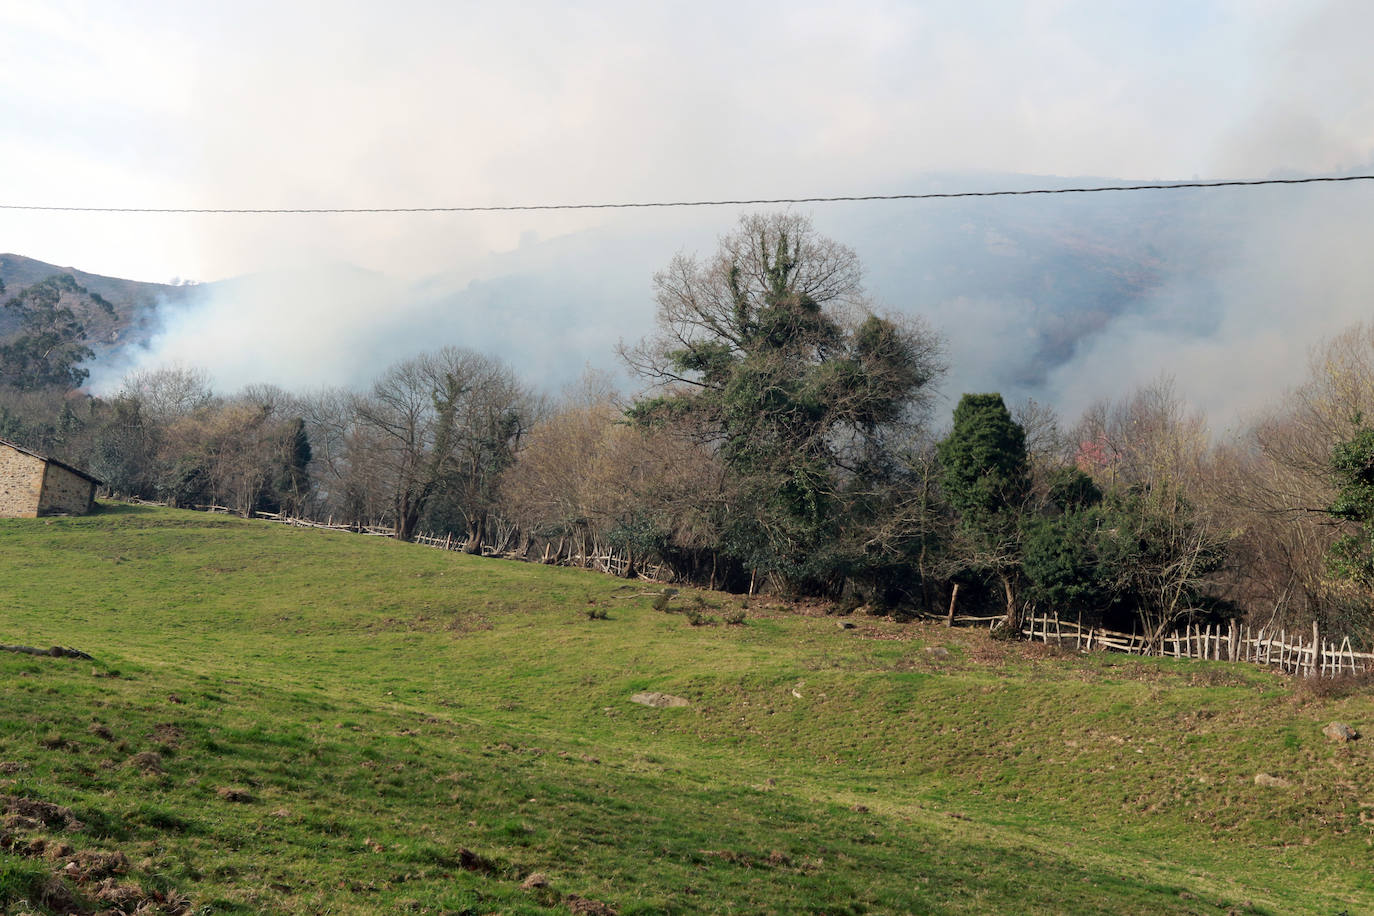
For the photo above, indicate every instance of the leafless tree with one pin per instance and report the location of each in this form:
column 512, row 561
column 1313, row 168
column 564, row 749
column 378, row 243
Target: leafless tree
column 445, row 422
column 1151, row 454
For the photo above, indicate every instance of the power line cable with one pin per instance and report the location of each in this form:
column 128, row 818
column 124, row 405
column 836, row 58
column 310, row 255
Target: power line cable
column 934, row 195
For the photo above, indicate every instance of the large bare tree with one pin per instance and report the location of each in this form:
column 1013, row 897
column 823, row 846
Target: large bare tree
column 442, row 424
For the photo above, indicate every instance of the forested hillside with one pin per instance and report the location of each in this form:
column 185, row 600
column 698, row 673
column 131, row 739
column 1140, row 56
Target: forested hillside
column 114, row 313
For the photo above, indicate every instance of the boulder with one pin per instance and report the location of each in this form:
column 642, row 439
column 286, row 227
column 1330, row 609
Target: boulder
column 1339, row 731
column 1273, row 782
column 658, row 700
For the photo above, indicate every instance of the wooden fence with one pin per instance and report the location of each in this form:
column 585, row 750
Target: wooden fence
column 1308, row 655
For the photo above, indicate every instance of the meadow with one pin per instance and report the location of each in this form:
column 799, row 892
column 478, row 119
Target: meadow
column 295, row 721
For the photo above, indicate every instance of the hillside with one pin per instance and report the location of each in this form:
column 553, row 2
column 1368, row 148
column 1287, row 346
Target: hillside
column 279, row 720
column 135, row 304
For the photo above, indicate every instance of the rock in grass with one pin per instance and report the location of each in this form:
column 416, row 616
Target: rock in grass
column 538, row 879
column 658, row 700
column 1339, row 731
column 231, row 794
column 1273, row 782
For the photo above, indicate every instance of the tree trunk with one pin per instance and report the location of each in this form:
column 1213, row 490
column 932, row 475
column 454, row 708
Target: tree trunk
column 1010, row 627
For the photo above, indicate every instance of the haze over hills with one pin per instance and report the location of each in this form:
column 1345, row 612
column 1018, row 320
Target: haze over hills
column 1064, row 298
column 135, row 303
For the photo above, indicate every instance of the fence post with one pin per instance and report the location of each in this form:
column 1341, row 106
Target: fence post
column 1316, row 637
column 949, row 621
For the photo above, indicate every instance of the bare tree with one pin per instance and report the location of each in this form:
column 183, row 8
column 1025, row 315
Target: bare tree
column 1275, row 485
column 591, row 482
column 442, row 423
column 168, row 393
column 1150, row 454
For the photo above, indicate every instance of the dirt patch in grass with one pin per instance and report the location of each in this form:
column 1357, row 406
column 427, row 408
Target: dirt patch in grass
column 80, row 881
column 147, row 762
column 52, row 741
column 582, row 906
column 472, row 861
column 90, row 864
column 167, row 734
column 54, row 817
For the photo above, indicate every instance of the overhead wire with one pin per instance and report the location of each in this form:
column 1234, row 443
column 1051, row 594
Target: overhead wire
column 763, row 201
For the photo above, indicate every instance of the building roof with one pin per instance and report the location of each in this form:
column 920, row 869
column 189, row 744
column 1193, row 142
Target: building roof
column 50, row 460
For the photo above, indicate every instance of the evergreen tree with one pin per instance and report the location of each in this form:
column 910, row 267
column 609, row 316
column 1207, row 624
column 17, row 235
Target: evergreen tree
column 985, row 475
column 50, row 347
column 1351, row 558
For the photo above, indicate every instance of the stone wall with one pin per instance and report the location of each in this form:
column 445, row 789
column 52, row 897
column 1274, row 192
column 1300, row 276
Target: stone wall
column 21, row 483
column 65, row 492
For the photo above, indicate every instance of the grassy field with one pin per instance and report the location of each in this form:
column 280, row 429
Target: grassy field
column 284, row 720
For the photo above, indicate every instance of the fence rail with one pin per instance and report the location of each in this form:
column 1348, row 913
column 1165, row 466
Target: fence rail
column 1308, row 655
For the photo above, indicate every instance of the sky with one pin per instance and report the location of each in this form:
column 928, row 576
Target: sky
column 358, row 104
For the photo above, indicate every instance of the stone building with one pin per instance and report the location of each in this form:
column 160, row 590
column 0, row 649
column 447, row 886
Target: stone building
column 32, row 485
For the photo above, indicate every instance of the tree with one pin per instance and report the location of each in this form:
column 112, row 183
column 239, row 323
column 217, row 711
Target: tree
column 768, row 353
column 168, row 393
column 436, row 431
column 587, row 481
column 1161, row 546
column 50, row 347
column 291, row 484
column 1062, row 547
column 985, row 476
column 1162, row 553
column 1276, row 484
column 1351, row 557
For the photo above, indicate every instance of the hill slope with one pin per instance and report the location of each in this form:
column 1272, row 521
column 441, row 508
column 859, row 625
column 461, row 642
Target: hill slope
column 134, row 303
column 285, row 720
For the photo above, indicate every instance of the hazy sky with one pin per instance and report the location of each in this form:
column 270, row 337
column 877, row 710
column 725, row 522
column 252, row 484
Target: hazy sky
column 334, row 103
column 344, row 104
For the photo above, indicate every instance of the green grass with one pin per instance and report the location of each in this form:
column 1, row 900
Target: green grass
column 410, row 730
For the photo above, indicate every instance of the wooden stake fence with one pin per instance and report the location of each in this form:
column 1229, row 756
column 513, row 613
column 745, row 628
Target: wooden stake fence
column 1313, row 656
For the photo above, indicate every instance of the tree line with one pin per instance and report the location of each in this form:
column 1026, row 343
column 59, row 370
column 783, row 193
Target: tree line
column 785, row 440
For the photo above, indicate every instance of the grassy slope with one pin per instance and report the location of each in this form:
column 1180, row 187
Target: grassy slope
column 387, row 706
